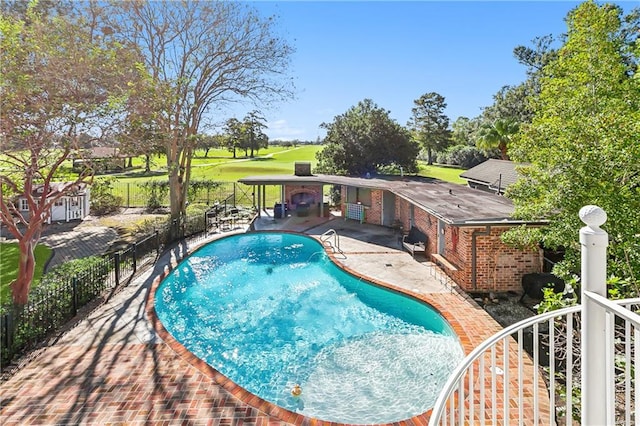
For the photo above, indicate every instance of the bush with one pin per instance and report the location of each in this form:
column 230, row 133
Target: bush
column 102, row 199
column 51, row 303
column 156, row 191
column 464, row 156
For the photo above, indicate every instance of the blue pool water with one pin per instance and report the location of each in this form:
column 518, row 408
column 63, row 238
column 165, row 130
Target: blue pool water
column 271, row 310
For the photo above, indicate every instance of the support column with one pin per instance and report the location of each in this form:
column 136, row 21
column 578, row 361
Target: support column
column 594, row 242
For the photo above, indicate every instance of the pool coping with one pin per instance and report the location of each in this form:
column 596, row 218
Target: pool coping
column 254, row 400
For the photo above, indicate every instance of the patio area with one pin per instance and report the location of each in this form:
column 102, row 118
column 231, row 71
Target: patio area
column 112, row 367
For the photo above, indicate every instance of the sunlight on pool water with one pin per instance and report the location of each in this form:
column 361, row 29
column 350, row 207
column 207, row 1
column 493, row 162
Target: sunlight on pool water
column 270, row 311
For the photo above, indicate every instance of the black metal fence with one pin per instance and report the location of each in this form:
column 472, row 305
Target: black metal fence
column 150, row 194
column 57, row 299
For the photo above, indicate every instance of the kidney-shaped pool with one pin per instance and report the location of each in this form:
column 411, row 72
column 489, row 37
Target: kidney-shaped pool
column 274, row 314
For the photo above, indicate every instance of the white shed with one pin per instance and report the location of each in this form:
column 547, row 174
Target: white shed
column 74, row 205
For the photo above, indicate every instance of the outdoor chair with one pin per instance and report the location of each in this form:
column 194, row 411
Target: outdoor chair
column 415, row 241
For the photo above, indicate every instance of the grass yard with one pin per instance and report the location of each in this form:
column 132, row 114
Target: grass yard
column 221, row 166
column 447, row 174
column 280, row 162
column 9, row 255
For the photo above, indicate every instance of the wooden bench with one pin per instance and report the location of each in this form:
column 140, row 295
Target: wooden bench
column 415, row 241
column 441, row 261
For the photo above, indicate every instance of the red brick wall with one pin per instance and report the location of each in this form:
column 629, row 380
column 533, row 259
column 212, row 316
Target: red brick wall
column 402, row 213
column 500, row 267
column 373, row 214
column 290, row 190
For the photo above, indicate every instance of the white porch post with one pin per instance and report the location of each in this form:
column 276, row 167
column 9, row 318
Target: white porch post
column 594, row 243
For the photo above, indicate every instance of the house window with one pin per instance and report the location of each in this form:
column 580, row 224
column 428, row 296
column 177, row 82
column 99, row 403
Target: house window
column 24, row 206
column 75, row 202
column 59, row 202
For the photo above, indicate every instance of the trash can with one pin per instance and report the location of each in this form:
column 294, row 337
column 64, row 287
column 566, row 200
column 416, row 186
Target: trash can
column 277, row 211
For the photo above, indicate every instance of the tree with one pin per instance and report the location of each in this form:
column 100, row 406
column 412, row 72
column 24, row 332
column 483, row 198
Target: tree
column 234, row 135
column 208, row 142
column 363, row 139
column 463, row 131
column 429, row 124
column 253, row 125
column 582, row 145
column 61, row 83
column 497, row 136
column 199, row 55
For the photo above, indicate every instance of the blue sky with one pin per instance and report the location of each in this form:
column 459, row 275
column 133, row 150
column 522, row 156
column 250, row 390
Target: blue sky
column 394, row 52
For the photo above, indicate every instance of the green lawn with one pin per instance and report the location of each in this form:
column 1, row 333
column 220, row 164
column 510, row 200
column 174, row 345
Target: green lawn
column 9, row 255
column 447, row 174
column 220, row 165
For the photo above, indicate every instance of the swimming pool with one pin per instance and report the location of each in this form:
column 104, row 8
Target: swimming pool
column 271, row 311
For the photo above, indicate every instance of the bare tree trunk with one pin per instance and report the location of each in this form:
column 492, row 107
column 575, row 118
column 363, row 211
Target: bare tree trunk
column 26, row 268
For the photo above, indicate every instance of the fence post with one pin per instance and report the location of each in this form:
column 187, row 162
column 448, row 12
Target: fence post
column 594, row 242
column 116, row 266
column 74, row 287
column 134, row 254
column 7, row 332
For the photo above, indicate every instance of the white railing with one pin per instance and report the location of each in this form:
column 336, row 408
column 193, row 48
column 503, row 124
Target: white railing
column 577, row 364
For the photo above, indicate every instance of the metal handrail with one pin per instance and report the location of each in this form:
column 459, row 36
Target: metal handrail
column 336, row 239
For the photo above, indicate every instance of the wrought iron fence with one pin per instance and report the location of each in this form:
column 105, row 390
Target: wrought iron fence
column 156, row 194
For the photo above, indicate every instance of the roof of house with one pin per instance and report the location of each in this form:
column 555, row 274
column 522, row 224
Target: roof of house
column 453, row 203
column 495, row 174
column 103, row 152
column 55, row 188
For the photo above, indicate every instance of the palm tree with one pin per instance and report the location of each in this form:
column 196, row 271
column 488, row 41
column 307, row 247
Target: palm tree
column 497, row 135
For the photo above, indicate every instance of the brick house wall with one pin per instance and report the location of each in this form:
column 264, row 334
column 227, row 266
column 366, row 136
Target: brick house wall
column 373, row 214
column 498, row 267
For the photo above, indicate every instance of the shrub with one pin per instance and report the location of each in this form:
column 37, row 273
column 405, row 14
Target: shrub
column 103, row 201
column 464, row 156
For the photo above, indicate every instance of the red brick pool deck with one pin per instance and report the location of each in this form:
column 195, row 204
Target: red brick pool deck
column 116, row 365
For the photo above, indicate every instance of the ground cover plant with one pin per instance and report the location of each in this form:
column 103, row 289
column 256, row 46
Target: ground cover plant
column 9, row 255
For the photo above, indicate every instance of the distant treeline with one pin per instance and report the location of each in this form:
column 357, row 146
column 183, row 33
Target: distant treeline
column 294, row 142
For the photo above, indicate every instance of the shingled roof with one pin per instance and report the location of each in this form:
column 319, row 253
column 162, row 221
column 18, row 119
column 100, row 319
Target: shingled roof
column 494, row 175
column 453, row 203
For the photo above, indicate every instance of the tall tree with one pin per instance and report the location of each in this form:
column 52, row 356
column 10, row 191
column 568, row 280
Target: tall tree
column 429, row 123
column 363, row 139
column 234, row 135
column 199, row 55
column 497, row 136
column 61, row 83
column 582, row 145
column 208, row 142
column 254, row 124
column 463, row 131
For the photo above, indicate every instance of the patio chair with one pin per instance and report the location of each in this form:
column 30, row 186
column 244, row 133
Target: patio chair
column 415, row 241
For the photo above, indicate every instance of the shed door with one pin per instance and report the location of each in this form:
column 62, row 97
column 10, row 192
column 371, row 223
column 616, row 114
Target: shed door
column 388, row 208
